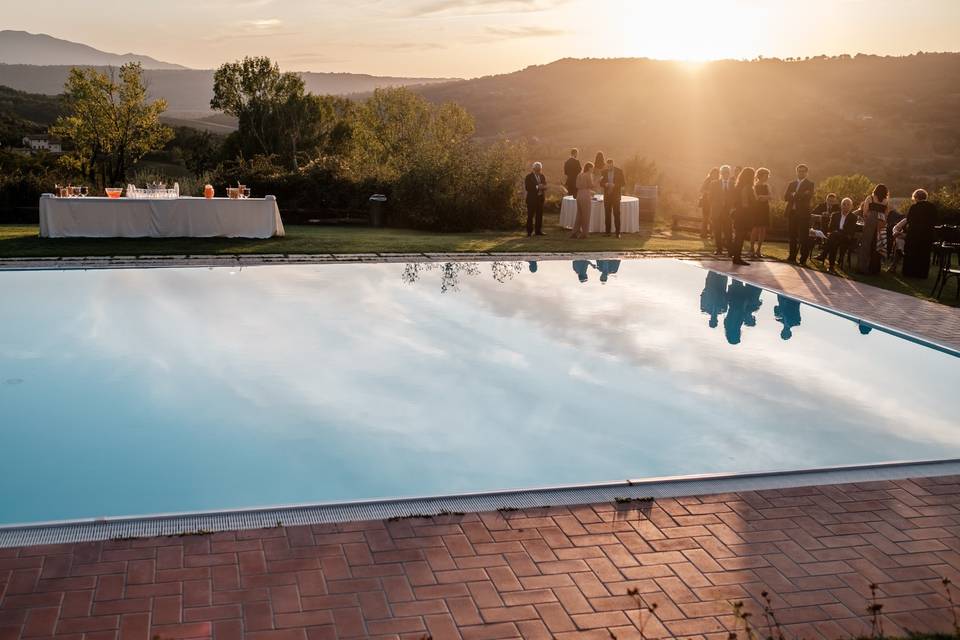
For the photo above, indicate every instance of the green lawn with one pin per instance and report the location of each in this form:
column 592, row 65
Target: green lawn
column 24, row 241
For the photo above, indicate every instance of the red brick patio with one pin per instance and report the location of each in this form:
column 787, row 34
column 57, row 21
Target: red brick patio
column 557, row 572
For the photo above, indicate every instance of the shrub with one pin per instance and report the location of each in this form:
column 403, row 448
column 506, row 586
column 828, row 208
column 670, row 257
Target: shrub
column 471, row 188
column 856, row 187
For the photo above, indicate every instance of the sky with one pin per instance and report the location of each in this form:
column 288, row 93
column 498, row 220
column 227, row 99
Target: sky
column 469, row 38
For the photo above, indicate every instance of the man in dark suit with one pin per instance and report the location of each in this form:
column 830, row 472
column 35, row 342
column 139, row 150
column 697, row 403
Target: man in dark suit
column 722, row 199
column 535, row 184
column 612, row 182
column 840, row 233
column 571, row 169
column 798, row 196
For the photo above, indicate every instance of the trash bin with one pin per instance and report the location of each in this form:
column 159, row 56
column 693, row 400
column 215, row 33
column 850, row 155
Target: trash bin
column 378, row 214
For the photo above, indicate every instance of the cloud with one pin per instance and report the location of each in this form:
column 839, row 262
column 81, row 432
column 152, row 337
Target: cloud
column 308, row 58
column 481, row 7
column 513, row 33
column 404, row 46
column 245, row 29
column 262, row 25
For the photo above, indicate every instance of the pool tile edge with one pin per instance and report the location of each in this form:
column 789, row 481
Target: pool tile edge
column 33, row 534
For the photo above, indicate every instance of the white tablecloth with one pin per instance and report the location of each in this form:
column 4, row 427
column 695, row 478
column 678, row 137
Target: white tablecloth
column 629, row 215
column 147, row 218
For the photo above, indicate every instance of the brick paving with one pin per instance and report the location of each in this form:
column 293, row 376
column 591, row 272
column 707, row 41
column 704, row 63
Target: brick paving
column 540, row 573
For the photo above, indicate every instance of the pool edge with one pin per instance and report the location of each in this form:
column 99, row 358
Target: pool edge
column 178, row 524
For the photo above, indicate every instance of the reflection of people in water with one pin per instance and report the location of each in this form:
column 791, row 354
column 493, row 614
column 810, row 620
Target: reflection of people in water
column 533, row 266
column 713, row 300
column 607, row 267
column 752, row 305
column 581, row 267
column 737, row 297
column 787, row 312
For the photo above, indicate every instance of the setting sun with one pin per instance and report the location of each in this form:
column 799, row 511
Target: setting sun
column 690, row 31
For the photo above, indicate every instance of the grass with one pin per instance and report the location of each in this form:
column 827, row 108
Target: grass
column 18, row 241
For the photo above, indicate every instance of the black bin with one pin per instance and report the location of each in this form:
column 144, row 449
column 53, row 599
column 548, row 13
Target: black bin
column 378, row 213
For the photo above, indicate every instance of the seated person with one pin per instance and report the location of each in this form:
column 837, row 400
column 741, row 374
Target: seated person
column 840, row 232
column 824, row 210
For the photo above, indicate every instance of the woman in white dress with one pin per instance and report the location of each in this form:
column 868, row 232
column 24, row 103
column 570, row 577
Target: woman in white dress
column 585, row 189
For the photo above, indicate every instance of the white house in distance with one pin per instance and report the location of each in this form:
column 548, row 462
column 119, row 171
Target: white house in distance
column 37, row 143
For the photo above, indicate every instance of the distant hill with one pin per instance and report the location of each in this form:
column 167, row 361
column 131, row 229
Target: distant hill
column 188, row 91
column 20, row 47
column 22, row 113
column 895, row 119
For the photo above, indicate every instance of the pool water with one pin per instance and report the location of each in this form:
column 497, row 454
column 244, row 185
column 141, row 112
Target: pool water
column 144, row 391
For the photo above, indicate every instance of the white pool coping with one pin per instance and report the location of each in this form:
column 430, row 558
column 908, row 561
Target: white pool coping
column 174, row 524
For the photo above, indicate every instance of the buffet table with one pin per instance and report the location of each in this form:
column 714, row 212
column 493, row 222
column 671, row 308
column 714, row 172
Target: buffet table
column 629, row 214
column 159, row 218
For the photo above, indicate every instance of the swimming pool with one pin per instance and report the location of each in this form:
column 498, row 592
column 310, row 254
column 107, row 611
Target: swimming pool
column 143, row 391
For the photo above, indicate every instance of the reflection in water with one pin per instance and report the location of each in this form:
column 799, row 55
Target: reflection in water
column 713, row 300
column 787, row 312
column 607, row 268
column 451, row 272
column 580, row 267
column 206, row 389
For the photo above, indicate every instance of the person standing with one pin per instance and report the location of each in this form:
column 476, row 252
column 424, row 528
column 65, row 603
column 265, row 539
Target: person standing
column 743, row 214
column 761, row 218
column 873, row 242
column 535, row 184
column 572, row 169
column 599, row 162
column 921, row 218
column 612, row 182
column 704, row 202
column 798, row 196
column 721, row 202
column 585, row 187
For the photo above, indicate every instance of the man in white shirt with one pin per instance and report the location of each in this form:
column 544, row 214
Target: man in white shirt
column 798, row 196
column 840, row 237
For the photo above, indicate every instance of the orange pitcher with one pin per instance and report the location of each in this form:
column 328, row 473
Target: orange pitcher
column 208, row 191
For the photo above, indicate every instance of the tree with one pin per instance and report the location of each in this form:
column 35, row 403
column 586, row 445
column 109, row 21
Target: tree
column 640, row 171
column 276, row 116
column 856, row 187
column 201, row 151
column 397, row 129
column 109, row 122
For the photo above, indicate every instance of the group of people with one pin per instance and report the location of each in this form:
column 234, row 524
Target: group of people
column 582, row 182
column 736, row 205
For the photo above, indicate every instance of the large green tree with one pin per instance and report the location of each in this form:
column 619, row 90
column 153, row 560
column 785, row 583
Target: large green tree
column 397, row 129
column 276, row 116
column 109, row 122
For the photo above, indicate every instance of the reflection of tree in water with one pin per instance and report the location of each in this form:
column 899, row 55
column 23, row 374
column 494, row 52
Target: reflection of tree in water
column 503, row 271
column 451, row 272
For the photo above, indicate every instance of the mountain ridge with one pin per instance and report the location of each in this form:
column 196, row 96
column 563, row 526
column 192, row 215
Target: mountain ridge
column 23, row 47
